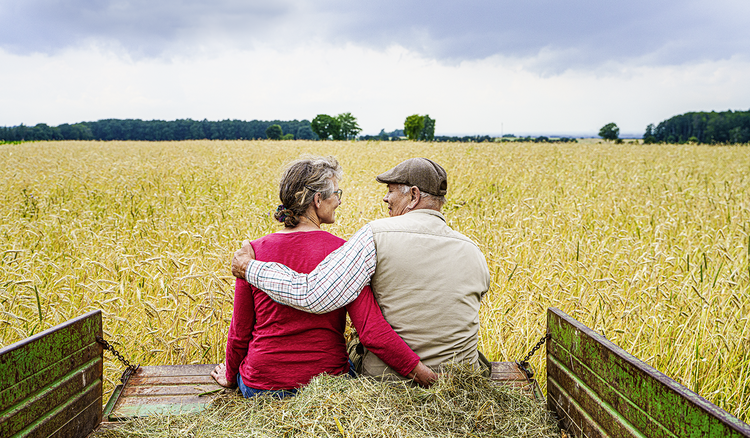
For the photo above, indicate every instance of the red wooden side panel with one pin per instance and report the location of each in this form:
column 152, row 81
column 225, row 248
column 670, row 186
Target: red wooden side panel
column 599, row 390
column 51, row 383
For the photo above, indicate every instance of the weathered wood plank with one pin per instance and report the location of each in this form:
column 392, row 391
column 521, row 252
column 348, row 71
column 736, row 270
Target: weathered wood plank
column 509, row 374
column 86, row 420
column 135, row 391
column 588, row 400
column 46, row 376
column 163, row 389
column 23, row 359
column 172, row 400
column 176, row 370
column 51, row 383
column 507, row 371
column 37, row 405
column 573, row 417
column 640, row 396
column 137, row 380
column 571, row 372
column 78, row 417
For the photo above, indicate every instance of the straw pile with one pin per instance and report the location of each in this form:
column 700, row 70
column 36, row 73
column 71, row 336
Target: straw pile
column 461, row 404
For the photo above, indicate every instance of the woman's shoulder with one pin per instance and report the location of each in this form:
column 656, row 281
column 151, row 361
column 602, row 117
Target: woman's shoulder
column 302, row 237
column 325, row 235
column 301, row 251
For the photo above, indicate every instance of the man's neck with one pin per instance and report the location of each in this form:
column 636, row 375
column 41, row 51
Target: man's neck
column 423, row 205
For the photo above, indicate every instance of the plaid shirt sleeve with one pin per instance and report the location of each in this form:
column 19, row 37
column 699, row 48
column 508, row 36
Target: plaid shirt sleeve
column 334, row 283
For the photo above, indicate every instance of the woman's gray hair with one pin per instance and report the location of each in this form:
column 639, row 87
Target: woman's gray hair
column 300, row 181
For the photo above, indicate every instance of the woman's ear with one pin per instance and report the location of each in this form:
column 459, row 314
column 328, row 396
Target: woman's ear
column 316, row 199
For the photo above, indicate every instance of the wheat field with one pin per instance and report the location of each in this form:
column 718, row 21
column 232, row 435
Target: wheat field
column 649, row 246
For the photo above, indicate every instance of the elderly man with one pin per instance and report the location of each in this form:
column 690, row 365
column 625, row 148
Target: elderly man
column 427, row 278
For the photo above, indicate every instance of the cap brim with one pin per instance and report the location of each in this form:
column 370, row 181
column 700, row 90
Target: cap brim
column 389, row 178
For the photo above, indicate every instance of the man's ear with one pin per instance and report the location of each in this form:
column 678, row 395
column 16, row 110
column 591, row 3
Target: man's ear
column 416, row 196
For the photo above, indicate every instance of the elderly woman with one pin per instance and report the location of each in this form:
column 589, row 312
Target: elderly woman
column 275, row 348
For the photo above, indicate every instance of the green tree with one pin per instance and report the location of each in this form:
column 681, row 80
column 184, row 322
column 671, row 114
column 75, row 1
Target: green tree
column 326, row 126
column 428, row 131
column 413, row 126
column 739, row 135
column 42, row 131
column 648, row 137
column 22, row 131
column 609, row 132
column 708, row 127
column 304, row 132
column 78, row 131
column 349, row 127
column 274, row 132
column 421, row 128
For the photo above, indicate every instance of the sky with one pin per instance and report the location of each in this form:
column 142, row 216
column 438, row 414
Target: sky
column 533, row 67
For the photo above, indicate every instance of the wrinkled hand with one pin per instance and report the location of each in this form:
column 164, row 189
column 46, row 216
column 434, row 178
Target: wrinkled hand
column 220, row 375
column 241, row 259
column 424, row 376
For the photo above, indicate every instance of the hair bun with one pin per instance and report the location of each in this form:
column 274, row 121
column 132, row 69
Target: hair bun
column 282, row 213
column 286, row 216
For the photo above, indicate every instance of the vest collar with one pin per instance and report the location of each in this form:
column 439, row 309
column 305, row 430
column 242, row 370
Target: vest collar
column 427, row 211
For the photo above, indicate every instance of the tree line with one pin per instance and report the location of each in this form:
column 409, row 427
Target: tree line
column 157, row 130
column 323, row 127
column 702, row 127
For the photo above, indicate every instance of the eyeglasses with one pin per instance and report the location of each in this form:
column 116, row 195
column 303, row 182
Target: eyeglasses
column 339, row 193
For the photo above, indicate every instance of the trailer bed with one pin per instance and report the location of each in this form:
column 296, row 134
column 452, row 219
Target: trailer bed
column 51, row 385
column 163, row 389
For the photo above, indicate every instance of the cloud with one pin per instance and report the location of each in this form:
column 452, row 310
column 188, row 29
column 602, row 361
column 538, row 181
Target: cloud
column 381, row 88
column 559, row 33
column 547, row 35
column 139, row 27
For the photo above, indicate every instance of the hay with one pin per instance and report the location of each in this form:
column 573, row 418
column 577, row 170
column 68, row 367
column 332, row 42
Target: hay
column 461, row 404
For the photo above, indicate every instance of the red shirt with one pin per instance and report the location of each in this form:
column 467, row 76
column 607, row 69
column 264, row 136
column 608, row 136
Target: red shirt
column 274, row 346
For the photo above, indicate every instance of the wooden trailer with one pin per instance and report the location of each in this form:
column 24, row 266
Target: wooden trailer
column 598, row 389
column 51, row 386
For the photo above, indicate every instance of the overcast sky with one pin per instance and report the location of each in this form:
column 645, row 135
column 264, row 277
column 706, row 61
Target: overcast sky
column 477, row 67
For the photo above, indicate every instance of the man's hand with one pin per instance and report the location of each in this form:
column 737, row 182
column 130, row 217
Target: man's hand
column 220, row 375
column 424, row 376
column 241, row 259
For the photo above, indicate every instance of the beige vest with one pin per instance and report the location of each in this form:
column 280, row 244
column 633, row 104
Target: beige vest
column 429, row 281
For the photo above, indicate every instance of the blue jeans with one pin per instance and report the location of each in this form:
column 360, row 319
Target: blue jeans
column 352, row 372
column 249, row 392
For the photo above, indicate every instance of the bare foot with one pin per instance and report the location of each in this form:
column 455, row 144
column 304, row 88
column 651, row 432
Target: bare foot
column 220, row 375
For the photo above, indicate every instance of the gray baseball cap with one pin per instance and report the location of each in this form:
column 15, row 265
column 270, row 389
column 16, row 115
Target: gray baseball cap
column 424, row 173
